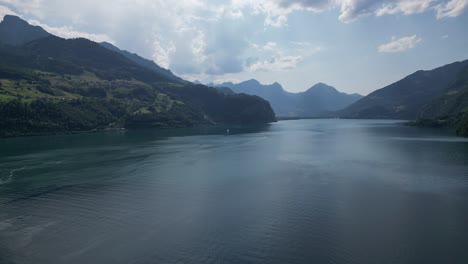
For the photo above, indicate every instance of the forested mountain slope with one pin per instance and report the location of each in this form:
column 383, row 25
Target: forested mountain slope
column 50, row 84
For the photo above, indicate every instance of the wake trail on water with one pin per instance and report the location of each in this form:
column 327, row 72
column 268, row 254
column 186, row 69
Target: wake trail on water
column 11, row 176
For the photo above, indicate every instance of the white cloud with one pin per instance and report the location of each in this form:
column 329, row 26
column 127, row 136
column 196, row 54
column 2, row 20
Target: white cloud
column 198, row 47
column 162, row 53
column 452, row 8
column 23, row 6
column 269, row 46
column 406, row 7
column 277, row 11
column 399, row 45
column 68, row 32
column 276, row 63
column 353, row 9
column 301, row 43
column 6, row 11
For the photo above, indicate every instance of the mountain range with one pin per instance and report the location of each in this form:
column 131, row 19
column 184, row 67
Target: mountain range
column 50, row 84
column 320, row 100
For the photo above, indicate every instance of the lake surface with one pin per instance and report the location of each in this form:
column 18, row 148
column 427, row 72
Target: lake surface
column 305, row 191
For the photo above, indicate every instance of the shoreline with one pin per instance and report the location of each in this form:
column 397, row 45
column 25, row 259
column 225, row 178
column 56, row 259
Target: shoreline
column 200, row 125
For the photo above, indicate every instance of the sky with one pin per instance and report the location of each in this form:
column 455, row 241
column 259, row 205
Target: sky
column 357, row 46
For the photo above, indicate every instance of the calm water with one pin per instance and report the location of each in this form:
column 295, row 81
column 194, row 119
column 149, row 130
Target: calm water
column 307, row 191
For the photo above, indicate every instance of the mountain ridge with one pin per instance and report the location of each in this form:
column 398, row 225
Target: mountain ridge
column 320, row 100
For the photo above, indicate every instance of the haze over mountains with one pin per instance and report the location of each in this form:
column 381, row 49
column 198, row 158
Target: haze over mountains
column 320, row 100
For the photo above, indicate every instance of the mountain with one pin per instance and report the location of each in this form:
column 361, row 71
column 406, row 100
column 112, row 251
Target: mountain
column 51, row 84
column 280, row 100
column 149, row 64
column 406, row 98
column 450, row 108
column 453, row 100
column 15, row 31
column 318, row 101
column 325, row 99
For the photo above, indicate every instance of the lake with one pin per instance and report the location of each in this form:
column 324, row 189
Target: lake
column 303, row 191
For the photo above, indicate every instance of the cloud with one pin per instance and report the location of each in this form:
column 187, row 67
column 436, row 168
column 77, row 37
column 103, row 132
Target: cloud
column 270, row 46
column 300, row 43
column 353, row 9
column 309, row 5
column 188, row 36
column 406, row 7
column 25, row 6
column 69, row 32
column 399, row 45
column 452, row 8
column 6, row 11
column 276, row 63
column 276, row 12
column 208, row 37
column 162, row 53
column 63, row 31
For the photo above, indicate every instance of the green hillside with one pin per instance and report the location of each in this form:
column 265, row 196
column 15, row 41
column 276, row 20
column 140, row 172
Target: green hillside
column 450, row 108
column 406, row 98
column 436, row 98
column 52, row 84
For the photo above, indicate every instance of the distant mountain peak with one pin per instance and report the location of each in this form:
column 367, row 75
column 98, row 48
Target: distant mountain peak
column 252, row 82
column 322, row 87
column 276, row 85
column 109, row 45
column 16, row 31
column 14, row 19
